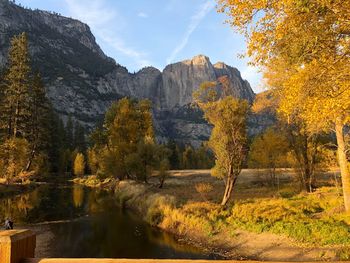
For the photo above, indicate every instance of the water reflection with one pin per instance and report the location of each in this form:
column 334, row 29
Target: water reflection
column 88, row 223
column 19, row 206
column 78, row 196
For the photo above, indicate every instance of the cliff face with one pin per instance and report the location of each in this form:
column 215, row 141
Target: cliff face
column 82, row 81
column 181, row 79
column 65, row 52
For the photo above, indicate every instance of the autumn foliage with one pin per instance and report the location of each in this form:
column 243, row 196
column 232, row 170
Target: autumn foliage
column 303, row 49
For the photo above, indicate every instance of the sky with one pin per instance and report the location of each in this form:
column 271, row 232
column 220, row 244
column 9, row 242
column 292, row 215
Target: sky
column 139, row 33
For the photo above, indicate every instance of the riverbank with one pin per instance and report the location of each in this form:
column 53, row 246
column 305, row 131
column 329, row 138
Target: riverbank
column 264, row 223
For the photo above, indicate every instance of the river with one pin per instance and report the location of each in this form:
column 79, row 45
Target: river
column 74, row 221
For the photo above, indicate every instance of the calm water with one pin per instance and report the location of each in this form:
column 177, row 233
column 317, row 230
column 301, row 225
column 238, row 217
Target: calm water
column 73, row 221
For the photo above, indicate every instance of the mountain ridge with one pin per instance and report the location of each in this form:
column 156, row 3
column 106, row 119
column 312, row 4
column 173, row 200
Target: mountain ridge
column 82, row 81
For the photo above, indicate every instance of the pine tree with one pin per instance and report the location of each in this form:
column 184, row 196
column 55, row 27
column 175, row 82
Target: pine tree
column 69, row 139
column 26, row 114
column 16, row 101
column 204, row 158
column 56, row 141
column 3, row 118
column 188, row 158
column 15, row 111
column 79, row 137
column 39, row 133
column 174, row 156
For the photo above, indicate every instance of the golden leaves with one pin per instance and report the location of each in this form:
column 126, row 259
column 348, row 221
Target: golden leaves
column 303, row 49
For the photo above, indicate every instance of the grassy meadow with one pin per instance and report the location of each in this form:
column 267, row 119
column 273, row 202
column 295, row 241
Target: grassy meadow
column 260, row 222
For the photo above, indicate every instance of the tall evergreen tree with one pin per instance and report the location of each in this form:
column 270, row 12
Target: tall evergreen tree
column 3, row 118
column 174, row 157
column 56, row 141
column 26, row 113
column 79, row 138
column 69, row 139
column 188, row 158
column 15, row 111
column 39, row 133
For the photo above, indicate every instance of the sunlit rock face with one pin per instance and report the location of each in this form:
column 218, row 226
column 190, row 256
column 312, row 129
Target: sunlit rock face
column 82, row 81
column 179, row 81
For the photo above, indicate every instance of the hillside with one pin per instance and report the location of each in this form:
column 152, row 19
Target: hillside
column 82, row 81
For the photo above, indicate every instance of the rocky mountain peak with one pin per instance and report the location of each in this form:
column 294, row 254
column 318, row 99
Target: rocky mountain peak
column 199, row 60
column 220, row 65
column 82, row 81
column 181, row 79
column 150, row 69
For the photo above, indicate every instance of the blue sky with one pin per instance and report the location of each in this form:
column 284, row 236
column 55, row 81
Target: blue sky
column 138, row 33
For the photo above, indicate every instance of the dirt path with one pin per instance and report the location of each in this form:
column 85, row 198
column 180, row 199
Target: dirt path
column 270, row 247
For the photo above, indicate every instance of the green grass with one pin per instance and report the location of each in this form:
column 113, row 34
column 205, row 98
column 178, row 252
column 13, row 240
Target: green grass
column 308, row 218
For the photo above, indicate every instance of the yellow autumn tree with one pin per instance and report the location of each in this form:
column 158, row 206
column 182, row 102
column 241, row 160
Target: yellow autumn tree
column 303, row 47
column 93, row 160
column 265, row 103
column 79, row 165
column 269, row 150
column 228, row 137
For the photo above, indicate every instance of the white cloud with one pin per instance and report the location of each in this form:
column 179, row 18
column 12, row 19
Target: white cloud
column 92, row 12
column 142, row 15
column 102, row 21
column 119, row 45
column 195, row 21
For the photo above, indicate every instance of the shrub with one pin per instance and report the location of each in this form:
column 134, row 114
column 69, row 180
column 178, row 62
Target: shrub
column 203, row 189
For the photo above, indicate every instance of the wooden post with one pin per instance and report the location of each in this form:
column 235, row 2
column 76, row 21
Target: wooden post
column 16, row 245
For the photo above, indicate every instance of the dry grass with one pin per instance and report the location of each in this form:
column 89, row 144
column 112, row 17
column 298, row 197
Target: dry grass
column 276, row 224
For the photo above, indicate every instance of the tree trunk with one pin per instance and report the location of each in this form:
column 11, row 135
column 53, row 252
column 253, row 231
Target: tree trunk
column 307, row 170
column 343, row 164
column 161, row 182
column 9, row 125
column 30, row 161
column 231, row 181
column 15, row 124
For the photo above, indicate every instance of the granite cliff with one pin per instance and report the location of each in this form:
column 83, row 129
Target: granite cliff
column 82, row 81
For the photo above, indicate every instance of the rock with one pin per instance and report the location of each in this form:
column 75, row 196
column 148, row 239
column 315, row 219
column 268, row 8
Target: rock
column 82, row 81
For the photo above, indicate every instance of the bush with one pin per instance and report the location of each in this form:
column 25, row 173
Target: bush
column 203, row 189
